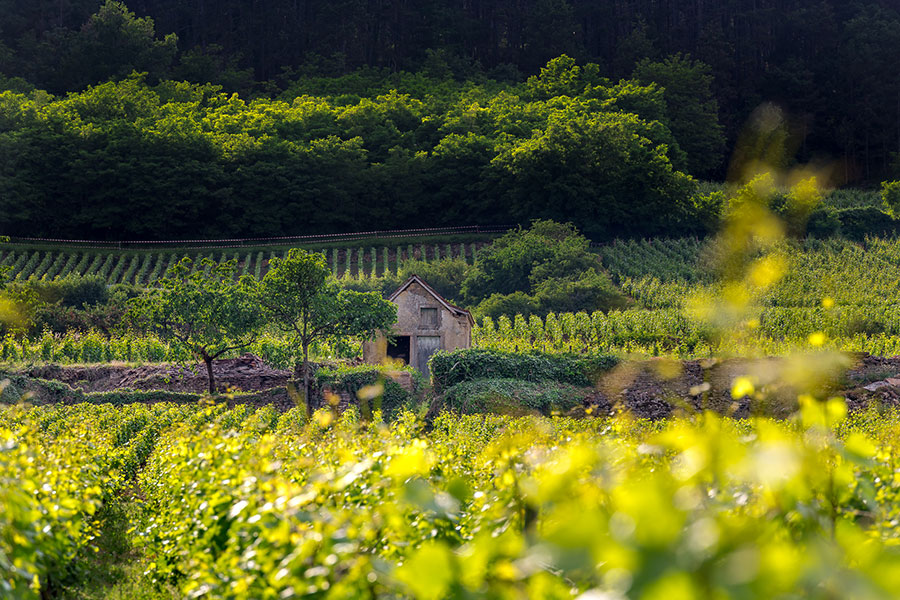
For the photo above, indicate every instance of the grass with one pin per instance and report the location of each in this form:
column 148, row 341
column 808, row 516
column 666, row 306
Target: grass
column 113, row 569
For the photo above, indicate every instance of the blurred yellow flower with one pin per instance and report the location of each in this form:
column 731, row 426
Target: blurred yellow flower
column 816, row 339
column 741, row 387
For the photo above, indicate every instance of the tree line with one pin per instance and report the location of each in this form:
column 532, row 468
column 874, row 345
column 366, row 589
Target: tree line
column 132, row 159
column 828, row 63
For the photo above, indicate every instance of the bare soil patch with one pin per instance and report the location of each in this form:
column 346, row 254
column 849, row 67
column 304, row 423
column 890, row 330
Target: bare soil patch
column 658, row 388
column 246, row 373
column 652, row 389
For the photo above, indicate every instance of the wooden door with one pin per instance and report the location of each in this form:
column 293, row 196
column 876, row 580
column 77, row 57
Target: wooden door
column 426, row 345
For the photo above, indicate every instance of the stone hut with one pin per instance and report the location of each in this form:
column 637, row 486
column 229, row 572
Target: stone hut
column 426, row 323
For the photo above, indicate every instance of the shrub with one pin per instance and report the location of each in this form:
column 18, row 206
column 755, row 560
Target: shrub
column 80, row 292
column 866, row 325
column 129, row 396
column 824, row 222
column 512, row 397
column 547, row 268
column 497, row 305
column 589, row 290
column 451, row 368
column 445, row 276
column 857, row 223
column 9, row 392
column 522, row 258
column 73, row 303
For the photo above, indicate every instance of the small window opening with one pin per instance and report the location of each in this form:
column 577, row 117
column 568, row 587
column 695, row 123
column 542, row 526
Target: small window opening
column 429, row 318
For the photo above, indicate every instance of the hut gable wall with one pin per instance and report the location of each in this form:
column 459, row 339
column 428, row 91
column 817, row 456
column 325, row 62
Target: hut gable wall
column 427, row 321
column 411, row 320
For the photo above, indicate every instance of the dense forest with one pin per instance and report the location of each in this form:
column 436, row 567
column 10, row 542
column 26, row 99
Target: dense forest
column 386, row 114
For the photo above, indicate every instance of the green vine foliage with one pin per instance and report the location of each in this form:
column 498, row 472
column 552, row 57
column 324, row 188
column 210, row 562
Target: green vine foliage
column 479, row 506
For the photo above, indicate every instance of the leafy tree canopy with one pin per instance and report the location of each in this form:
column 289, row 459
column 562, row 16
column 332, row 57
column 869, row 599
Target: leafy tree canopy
column 110, row 45
column 306, row 302
column 545, row 268
column 604, row 159
column 692, row 111
column 201, row 307
column 826, row 58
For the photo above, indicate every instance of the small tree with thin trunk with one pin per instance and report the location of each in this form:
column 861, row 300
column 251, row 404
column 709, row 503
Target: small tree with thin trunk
column 302, row 297
column 205, row 310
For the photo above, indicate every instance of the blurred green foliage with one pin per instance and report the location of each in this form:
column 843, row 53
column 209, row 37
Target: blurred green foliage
column 373, row 387
column 479, row 506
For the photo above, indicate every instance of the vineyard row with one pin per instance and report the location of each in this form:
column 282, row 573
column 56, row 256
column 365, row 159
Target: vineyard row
column 778, row 331
column 144, row 268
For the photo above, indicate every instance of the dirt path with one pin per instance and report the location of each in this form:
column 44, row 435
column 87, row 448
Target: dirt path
column 115, row 571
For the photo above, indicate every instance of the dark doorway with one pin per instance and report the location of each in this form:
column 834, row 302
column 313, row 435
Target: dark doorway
column 399, row 348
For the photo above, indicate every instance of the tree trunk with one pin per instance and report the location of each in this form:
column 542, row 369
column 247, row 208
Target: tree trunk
column 209, row 373
column 306, row 375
